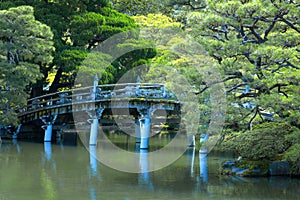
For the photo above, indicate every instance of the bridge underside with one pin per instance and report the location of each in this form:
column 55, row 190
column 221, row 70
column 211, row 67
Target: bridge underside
column 114, row 106
column 162, row 122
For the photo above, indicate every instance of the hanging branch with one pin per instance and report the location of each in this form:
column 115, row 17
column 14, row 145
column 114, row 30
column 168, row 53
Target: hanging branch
column 279, row 86
column 235, row 87
column 290, row 24
column 284, row 63
column 253, row 117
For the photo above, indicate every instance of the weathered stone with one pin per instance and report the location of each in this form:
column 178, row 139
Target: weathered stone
column 228, row 164
column 279, row 168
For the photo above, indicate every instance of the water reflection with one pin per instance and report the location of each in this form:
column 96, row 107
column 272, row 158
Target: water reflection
column 144, row 175
column 48, row 150
column 203, row 167
column 93, row 193
column 15, row 143
column 190, row 160
column 93, row 160
column 53, row 172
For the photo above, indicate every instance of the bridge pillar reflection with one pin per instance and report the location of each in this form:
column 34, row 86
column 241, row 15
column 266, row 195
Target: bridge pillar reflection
column 203, row 159
column 94, row 121
column 145, row 124
column 144, row 166
column 48, row 150
column 93, row 160
column 203, row 166
column 48, row 120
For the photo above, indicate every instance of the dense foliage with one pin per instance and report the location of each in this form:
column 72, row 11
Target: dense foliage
column 78, row 27
column 267, row 141
column 176, row 9
column 257, row 45
column 25, row 45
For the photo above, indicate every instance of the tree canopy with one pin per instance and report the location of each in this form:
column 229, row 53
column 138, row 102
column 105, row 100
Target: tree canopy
column 25, row 45
column 78, row 26
column 257, row 46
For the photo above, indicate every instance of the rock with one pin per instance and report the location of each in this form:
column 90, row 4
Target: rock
column 279, row 168
column 228, row 164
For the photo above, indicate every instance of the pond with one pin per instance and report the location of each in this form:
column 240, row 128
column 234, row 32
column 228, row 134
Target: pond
column 35, row 171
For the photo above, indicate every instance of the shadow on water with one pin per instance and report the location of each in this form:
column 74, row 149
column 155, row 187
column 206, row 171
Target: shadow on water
column 51, row 171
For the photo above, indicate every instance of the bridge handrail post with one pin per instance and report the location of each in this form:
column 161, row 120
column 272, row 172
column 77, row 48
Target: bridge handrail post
column 95, row 86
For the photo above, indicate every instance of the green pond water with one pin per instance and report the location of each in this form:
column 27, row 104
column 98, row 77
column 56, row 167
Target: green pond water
column 35, row 171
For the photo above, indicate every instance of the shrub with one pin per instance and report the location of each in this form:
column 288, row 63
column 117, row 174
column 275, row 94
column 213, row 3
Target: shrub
column 267, row 141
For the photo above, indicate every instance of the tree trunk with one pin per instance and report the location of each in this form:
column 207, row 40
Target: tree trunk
column 55, row 84
column 37, row 89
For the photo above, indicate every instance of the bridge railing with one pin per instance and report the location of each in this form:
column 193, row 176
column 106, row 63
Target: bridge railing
column 101, row 92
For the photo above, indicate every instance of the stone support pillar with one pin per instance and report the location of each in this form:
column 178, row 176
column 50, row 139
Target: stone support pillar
column 94, row 121
column 145, row 126
column 15, row 135
column 48, row 121
column 137, row 131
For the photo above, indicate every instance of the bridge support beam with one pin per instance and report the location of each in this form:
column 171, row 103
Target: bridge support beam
column 94, row 132
column 48, row 121
column 137, row 131
column 94, row 121
column 15, row 135
column 145, row 126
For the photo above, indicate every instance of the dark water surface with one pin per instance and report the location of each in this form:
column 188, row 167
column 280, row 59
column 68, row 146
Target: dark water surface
column 35, row 171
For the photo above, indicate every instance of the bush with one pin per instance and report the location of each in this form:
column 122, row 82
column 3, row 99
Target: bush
column 292, row 155
column 267, row 141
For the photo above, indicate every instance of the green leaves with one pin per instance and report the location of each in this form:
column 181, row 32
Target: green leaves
column 25, row 45
column 265, row 142
column 137, row 7
column 90, row 29
column 257, row 44
column 86, row 27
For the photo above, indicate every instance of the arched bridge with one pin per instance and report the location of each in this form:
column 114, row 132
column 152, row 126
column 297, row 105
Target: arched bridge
column 138, row 99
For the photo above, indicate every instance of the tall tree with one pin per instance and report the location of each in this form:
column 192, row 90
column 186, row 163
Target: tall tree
column 257, row 45
column 78, row 27
column 25, row 45
column 179, row 64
